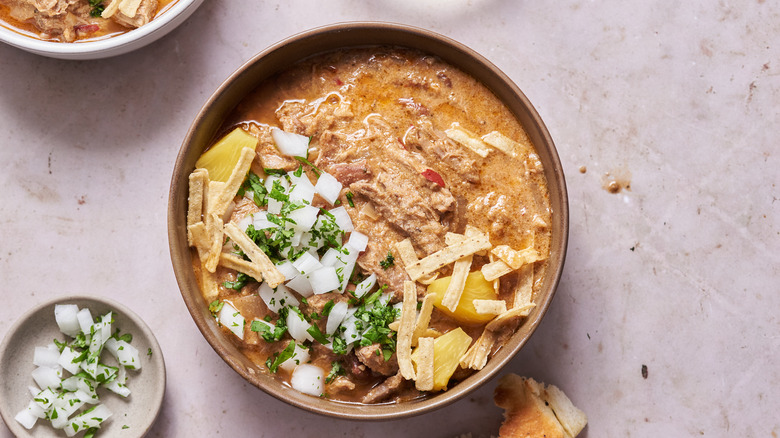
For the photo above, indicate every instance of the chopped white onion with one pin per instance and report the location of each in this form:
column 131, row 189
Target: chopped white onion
column 302, row 285
column 304, row 217
column 307, row 263
column 47, row 356
column 328, row 187
column 65, row 314
column 85, row 319
column 245, row 222
column 47, row 377
column 261, row 222
column 358, row 240
column 331, row 257
column 301, row 189
column 65, row 405
column 336, row 316
column 300, row 355
column 66, row 360
column 297, row 327
column 274, row 206
column 231, row 318
column 287, row 269
column 276, row 299
column 308, row 379
column 26, row 417
column 342, row 219
column 290, row 144
column 89, row 418
column 324, row 280
column 271, row 179
column 350, row 333
column 365, row 286
column 128, row 356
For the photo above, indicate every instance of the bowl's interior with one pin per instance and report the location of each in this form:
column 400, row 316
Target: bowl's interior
column 38, row 327
column 206, row 126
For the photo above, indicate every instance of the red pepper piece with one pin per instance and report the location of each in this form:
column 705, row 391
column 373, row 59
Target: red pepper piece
column 433, row 176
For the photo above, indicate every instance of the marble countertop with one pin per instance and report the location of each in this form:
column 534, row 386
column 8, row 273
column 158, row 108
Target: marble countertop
column 677, row 272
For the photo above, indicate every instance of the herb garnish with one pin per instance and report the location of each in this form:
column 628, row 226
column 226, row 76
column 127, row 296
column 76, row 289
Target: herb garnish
column 335, row 371
column 314, row 168
column 277, row 359
column 388, row 261
column 349, row 196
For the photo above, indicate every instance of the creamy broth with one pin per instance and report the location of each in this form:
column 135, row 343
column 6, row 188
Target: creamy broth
column 85, row 28
column 377, row 119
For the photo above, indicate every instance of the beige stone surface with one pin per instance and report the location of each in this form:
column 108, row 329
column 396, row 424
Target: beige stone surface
column 675, row 103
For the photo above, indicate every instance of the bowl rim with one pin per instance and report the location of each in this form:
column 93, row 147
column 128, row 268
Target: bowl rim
column 116, row 45
column 180, row 252
column 158, row 391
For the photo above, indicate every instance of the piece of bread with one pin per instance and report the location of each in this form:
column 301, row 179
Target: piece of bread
column 532, row 410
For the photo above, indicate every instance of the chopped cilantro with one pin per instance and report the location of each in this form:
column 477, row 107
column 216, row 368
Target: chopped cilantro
column 255, row 184
column 127, row 337
column 277, row 359
column 268, row 334
column 215, row 306
column 314, row 168
column 388, row 261
column 327, row 308
column 335, row 371
column 280, row 172
column 317, row 334
column 241, row 281
column 349, row 196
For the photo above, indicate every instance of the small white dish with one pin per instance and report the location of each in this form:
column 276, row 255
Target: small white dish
column 117, row 45
column 38, row 328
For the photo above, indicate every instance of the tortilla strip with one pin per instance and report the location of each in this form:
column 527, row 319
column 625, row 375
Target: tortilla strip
column 515, row 259
column 213, row 194
column 200, row 239
column 129, row 7
column 425, row 365
column 460, row 270
column 198, row 181
column 216, row 239
column 476, row 356
column 468, row 139
column 209, row 287
column 447, row 255
column 111, row 9
column 405, row 331
column 515, row 312
column 428, row 333
column 471, row 231
column 525, row 286
column 494, row 307
column 409, row 256
column 271, row 274
column 234, row 182
column 503, row 143
column 424, row 318
column 496, row 269
column 232, row 261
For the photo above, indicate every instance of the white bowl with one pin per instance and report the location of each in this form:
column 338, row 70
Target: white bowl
column 133, row 417
column 118, row 45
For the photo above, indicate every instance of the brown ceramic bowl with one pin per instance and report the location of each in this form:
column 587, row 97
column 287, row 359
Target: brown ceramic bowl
column 279, row 56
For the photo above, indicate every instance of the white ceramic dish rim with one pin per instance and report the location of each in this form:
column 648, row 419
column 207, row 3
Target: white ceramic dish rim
column 113, row 46
column 157, row 392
